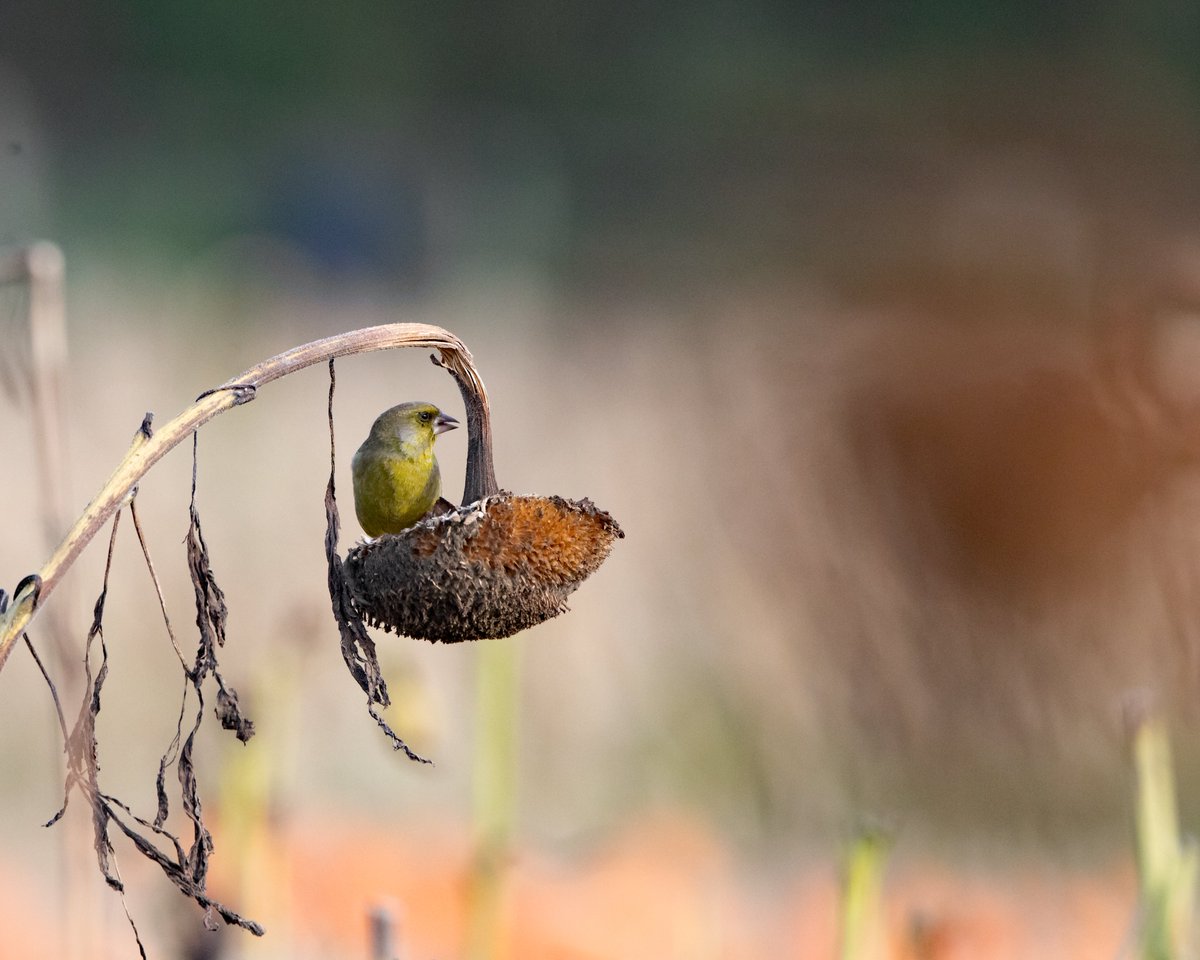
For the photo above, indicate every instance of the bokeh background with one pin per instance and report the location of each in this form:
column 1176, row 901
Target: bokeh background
column 876, row 327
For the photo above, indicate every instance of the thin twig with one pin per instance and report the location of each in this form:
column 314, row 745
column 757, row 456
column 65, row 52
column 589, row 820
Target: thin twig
column 147, row 451
column 48, row 348
column 329, row 417
column 162, row 602
column 62, row 720
column 38, row 364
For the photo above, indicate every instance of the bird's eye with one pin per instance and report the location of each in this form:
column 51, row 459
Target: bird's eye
column 426, row 416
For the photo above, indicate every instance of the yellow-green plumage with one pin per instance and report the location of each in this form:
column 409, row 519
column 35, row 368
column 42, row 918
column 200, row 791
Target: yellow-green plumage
column 396, row 476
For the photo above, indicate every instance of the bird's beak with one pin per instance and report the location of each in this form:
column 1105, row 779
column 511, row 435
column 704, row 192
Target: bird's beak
column 444, row 422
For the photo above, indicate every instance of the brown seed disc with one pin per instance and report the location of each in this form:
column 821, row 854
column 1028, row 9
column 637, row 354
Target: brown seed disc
column 487, row 570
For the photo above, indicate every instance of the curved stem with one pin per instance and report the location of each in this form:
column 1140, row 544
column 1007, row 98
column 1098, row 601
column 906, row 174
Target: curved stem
column 148, row 448
column 481, row 474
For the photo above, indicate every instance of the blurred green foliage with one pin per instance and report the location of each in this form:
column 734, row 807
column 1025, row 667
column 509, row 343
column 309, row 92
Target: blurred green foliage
column 582, row 138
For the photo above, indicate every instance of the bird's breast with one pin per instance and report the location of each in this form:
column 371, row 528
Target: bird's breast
column 393, row 491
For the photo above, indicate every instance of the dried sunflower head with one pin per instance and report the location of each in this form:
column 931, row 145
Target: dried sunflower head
column 489, row 569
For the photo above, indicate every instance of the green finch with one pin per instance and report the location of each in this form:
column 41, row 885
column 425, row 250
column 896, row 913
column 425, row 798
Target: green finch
column 396, row 476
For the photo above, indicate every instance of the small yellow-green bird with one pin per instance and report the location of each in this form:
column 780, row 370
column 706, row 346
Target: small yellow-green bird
column 396, row 475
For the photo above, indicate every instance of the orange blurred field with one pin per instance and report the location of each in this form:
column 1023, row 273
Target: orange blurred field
column 664, row 887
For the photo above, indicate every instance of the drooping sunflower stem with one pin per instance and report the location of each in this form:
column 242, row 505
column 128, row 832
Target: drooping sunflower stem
column 150, row 447
column 481, row 473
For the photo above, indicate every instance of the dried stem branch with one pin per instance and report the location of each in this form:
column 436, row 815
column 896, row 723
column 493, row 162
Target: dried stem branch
column 148, row 448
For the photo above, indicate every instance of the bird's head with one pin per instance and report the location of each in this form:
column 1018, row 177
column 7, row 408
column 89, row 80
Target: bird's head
column 412, row 423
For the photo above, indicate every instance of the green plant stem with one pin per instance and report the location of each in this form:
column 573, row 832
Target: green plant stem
column 495, row 793
column 861, row 921
column 1167, row 864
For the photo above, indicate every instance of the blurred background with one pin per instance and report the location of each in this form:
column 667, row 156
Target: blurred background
column 877, row 328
